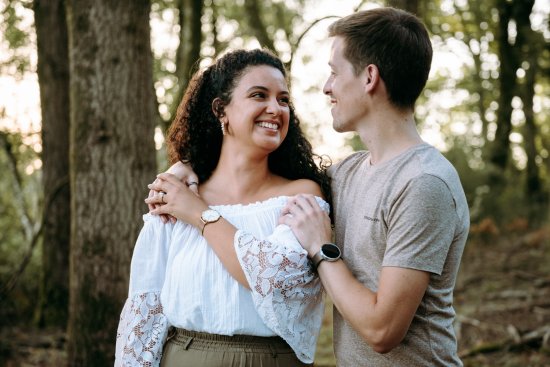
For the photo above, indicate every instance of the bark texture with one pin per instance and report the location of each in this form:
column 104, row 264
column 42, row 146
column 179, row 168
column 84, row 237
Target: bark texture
column 112, row 160
column 53, row 75
column 189, row 49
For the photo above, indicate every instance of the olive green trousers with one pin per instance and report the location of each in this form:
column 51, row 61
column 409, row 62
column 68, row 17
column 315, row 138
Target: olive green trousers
column 186, row 348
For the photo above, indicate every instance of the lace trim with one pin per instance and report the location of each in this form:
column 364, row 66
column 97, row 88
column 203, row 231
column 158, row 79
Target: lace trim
column 286, row 292
column 141, row 331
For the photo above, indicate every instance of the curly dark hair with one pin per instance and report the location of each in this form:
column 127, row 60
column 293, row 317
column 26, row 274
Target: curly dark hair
column 195, row 136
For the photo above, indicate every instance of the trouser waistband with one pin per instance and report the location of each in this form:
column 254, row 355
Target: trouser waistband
column 196, row 339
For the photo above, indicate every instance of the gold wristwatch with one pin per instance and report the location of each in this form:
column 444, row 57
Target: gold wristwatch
column 209, row 216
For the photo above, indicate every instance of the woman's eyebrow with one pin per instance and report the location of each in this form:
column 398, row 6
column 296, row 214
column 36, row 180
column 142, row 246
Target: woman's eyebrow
column 257, row 87
column 264, row 89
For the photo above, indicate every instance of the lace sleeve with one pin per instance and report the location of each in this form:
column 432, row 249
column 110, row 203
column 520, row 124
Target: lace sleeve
column 141, row 332
column 286, row 293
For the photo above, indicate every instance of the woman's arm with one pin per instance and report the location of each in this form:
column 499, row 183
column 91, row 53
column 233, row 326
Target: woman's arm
column 143, row 327
column 180, row 202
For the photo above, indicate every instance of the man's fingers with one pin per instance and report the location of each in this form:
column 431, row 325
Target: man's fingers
column 168, row 177
column 193, row 186
column 286, row 219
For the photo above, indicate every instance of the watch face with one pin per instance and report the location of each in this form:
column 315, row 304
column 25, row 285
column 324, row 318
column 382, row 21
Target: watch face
column 331, row 251
column 210, row 215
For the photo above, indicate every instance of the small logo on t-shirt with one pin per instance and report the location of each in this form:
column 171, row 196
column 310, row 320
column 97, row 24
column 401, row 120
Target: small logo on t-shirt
column 376, row 220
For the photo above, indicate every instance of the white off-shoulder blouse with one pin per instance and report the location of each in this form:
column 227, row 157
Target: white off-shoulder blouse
column 177, row 280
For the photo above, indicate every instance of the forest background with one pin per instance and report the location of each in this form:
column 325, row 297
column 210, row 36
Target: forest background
column 88, row 87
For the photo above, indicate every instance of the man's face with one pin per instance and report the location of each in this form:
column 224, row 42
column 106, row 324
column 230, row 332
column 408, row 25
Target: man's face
column 345, row 89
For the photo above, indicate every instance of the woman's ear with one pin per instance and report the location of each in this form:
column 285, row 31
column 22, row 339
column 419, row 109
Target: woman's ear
column 218, row 108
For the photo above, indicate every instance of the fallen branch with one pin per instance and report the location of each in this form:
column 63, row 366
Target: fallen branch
column 537, row 338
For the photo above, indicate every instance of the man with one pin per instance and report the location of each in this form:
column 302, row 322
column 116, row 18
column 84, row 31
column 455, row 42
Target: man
column 401, row 215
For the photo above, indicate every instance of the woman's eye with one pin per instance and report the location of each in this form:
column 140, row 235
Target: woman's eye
column 284, row 100
column 258, row 95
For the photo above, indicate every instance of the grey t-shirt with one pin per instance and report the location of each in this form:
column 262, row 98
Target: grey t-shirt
column 409, row 212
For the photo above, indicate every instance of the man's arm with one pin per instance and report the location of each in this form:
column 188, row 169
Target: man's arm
column 382, row 318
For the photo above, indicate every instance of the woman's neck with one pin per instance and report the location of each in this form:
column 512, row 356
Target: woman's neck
column 238, row 178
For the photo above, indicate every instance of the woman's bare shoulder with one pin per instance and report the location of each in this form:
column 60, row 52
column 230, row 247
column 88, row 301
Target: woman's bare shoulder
column 302, row 186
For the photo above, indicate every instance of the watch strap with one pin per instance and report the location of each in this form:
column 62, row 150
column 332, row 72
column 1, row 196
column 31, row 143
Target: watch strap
column 321, row 255
column 316, row 260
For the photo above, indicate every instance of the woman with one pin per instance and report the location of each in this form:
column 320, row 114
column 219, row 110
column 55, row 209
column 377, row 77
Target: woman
column 246, row 297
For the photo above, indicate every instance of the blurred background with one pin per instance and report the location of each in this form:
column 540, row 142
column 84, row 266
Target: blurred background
column 88, row 88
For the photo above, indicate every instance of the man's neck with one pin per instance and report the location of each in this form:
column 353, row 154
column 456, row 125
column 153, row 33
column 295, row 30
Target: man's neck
column 388, row 134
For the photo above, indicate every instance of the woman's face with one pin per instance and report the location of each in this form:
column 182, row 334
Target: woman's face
column 258, row 113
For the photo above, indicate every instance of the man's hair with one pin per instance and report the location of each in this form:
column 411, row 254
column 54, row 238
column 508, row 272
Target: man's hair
column 396, row 42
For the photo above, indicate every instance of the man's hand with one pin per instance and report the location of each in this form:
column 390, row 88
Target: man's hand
column 310, row 224
column 185, row 174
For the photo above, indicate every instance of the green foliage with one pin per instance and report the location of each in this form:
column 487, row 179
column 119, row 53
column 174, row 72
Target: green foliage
column 465, row 29
column 462, row 103
column 18, row 182
column 14, row 26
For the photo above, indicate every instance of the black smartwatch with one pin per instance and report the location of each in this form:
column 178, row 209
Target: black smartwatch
column 329, row 252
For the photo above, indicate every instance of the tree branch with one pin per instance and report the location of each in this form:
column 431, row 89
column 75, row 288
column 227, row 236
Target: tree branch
column 20, row 206
column 10, row 284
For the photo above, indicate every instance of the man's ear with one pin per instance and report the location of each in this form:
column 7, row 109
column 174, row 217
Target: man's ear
column 218, row 107
column 372, row 77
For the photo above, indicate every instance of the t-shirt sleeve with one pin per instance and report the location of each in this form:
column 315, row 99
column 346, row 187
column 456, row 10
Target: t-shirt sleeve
column 421, row 225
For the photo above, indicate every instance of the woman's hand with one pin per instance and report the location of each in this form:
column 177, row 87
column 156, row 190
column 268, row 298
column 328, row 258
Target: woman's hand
column 184, row 173
column 173, row 197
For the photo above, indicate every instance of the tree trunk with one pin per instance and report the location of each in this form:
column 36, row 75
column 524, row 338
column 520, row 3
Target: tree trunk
column 500, row 148
column 534, row 189
column 478, row 12
column 409, row 5
column 216, row 44
column 112, row 160
column 53, row 75
column 253, row 13
column 529, row 45
column 189, row 48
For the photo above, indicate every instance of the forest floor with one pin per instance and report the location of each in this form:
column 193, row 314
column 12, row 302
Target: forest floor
column 502, row 301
